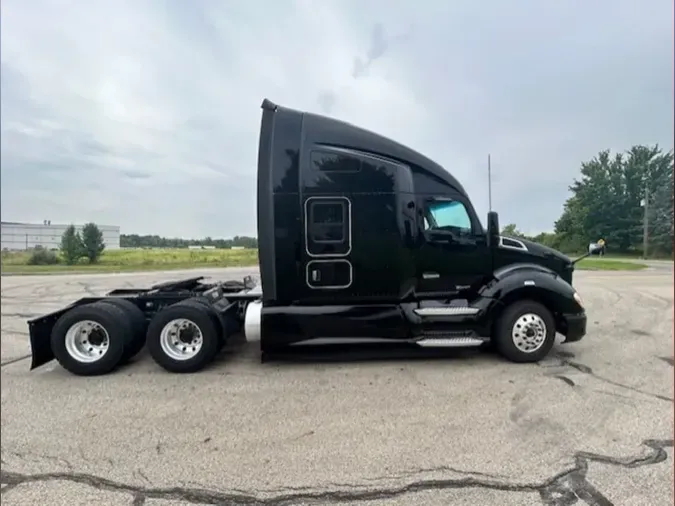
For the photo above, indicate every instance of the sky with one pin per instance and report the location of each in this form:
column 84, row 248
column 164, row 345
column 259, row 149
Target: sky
column 146, row 114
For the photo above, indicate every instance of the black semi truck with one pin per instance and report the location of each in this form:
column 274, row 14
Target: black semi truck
column 361, row 239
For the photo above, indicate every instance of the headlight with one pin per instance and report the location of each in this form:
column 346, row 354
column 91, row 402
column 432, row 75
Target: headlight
column 577, row 297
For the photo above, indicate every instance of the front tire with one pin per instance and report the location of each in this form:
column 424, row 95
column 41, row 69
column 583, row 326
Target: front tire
column 183, row 338
column 525, row 332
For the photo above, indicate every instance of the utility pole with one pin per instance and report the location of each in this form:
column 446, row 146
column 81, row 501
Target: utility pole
column 645, row 223
column 489, row 185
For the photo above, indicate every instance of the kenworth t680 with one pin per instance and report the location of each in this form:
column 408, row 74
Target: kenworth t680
column 361, row 239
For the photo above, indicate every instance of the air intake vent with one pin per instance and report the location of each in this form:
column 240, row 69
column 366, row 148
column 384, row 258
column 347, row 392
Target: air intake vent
column 506, row 242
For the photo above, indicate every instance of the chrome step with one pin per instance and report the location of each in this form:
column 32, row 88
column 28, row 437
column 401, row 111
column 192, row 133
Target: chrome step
column 447, row 311
column 449, row 342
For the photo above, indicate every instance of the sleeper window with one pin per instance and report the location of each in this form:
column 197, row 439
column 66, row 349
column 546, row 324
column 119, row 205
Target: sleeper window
column 327, row 220
column 327, row 226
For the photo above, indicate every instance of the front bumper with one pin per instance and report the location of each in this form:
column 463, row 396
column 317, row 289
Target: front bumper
column 573, row 327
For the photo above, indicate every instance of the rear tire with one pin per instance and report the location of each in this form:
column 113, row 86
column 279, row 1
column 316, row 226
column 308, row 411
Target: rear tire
column 525, row 332
column 227, row 323
column 203, row 302
column 138, row 324
column 183, row 338
column 89, row 340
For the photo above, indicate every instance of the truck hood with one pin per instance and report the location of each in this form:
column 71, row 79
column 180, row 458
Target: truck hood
column 544, row 251
column 548, row 257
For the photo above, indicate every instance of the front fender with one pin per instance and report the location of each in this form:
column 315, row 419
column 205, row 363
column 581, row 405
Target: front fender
column 521, row 268
column 534, row 282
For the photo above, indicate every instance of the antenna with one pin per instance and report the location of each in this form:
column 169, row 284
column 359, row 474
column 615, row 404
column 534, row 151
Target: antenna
column 489, row 184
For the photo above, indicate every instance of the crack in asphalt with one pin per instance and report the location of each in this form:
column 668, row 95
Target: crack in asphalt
column 565, row 379
column 20, row 315
column 14, row 360
column 564, row 359
column 587, row 370
column 563, row 489
column 668, row 360
column 566, row 488
column 88, row 289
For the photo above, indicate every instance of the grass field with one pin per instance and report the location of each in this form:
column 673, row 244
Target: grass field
column 126, row 260
column 608, row 264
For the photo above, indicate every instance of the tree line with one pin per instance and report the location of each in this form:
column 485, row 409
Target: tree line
column 155, row 241
column 610, row 200
column 90, row 245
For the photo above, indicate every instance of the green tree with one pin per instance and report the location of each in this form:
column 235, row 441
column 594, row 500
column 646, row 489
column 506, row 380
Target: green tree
column 510, row 230
column 42, row 256
column 71, row 246
column 92, row 241
column 605, row 201
column 661, row 220
column 659, row 191
column 549, row 239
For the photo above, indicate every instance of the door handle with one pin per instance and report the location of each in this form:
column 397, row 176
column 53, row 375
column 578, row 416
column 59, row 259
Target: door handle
column 316, row 275
column 431, row 275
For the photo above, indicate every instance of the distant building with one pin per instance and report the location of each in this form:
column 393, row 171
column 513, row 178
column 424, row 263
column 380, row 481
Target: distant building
column 23, row 236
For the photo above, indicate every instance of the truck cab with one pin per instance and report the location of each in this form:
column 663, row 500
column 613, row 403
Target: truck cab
column 362, row 239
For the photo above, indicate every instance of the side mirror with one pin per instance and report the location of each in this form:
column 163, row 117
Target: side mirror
column 492, row 229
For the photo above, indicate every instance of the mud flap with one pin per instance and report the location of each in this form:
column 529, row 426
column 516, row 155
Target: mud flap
column 40, row 345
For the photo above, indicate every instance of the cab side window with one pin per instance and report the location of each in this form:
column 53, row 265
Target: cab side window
column 447, row 215
column 328, row 226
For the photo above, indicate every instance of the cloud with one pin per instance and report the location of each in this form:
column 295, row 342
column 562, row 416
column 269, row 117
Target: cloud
column 146, row 114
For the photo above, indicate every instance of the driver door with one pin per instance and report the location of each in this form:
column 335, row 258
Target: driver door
column 451, row 258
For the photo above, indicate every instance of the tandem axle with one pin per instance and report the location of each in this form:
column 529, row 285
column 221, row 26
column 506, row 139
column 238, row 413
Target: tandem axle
column 184, row 324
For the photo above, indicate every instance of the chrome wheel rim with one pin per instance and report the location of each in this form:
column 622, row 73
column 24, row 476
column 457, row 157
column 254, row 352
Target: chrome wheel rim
column 181, row 339
column 87, row 341
column 529, row 333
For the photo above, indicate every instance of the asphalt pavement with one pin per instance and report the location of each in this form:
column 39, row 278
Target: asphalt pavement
column 592, row 424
